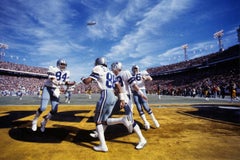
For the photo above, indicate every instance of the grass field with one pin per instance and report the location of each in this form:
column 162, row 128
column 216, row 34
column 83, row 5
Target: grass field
column 82, row 99
column 191, row 128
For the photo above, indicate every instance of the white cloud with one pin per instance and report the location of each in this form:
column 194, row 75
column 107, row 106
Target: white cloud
column 143, row 32
column 135, row 42
column 112, row 24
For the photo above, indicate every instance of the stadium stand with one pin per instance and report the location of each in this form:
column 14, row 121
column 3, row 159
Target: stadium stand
column 217, row 69
column 15, row 77
column 214, row 71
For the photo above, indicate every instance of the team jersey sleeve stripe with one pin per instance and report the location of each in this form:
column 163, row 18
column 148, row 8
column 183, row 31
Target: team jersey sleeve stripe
column 94, row 75
column 131, row 80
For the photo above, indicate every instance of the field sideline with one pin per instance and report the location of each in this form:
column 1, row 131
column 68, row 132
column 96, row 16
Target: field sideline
column 190, row 129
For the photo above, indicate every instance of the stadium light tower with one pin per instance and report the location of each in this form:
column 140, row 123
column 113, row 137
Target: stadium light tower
column 3, row 47
column 219, row 35
column 238, row 32
column 184, row 47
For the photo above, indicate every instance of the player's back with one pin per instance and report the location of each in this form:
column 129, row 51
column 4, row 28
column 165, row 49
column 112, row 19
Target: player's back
column 126, row 80
column 103, row 76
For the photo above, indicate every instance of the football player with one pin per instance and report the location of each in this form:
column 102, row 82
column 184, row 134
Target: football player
column 57, row 76
column 105, row 80
column 20, row 92
column 141, row 103
column 126, row 81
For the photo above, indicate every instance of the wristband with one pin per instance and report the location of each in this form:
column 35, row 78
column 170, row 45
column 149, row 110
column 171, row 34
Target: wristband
column 121, row 96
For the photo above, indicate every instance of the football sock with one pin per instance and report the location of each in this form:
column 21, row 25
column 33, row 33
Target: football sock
column 138, row 132
column 101, row 137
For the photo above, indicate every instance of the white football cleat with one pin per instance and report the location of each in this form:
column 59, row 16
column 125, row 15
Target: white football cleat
column 94, row 134
column 100, row 148
column 156, row 123
column 147, row 125
column 34, row 125
column 141, row 144
column 127, row 124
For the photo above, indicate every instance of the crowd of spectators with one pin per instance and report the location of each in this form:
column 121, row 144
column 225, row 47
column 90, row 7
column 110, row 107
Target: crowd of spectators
column 22, row 67
column 214, row 73
column 11, row 84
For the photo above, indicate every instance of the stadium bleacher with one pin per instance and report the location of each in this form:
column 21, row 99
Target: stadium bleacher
column 16, row 76
column 217, row 68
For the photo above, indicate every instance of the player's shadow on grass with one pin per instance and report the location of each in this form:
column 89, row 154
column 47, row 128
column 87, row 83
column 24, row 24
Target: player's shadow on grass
column 82, row 137
column 70, row 116
column 60, row 133
column 226, row 114
column 21, row 129
column 10, row 117
column 52, row 135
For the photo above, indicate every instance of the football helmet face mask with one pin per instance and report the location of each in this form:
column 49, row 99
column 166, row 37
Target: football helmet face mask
column 62, row 64
column 101, row 61
column 116, row 66
column 135, row 69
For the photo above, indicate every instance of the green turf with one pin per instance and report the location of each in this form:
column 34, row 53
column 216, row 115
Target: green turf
column 82, row 99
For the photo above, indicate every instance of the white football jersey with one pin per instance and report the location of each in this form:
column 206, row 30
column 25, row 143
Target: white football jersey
column 103, row 76
column 56, row 73
column 139, row 79
column 126, row 80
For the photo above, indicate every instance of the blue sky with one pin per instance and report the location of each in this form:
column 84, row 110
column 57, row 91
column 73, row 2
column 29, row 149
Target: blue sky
column 148, row 33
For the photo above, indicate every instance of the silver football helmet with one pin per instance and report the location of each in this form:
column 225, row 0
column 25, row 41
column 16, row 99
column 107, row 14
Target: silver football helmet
column 101, row 61
column 116, row 66
column 61, row 64
column 135, row 68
